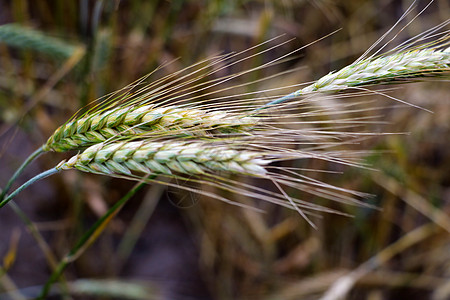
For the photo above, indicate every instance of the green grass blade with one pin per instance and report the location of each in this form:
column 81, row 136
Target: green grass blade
column 21, row 37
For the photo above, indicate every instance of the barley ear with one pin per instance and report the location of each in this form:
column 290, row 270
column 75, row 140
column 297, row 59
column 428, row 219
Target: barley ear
column 408, row 65
column 144, row 121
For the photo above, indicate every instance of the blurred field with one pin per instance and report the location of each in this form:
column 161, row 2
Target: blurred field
column 168, row 244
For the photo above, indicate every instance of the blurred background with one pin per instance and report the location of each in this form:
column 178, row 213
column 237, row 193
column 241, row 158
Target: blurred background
column 167, row 244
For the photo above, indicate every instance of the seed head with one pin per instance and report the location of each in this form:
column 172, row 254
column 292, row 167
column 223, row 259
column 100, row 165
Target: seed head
column 168, row 157
column 133, row 121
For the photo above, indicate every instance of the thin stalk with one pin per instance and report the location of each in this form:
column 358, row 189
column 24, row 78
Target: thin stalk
column 27, row 184
column 137, row 225
column 280, row 100
column 87, row 239
column 19, row 171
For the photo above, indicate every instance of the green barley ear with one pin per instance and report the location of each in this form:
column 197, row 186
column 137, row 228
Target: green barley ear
column 144, row 120
column 18, row 36
column 409, row 64
column 166, row 157
column 178, row 104
column 211, row 163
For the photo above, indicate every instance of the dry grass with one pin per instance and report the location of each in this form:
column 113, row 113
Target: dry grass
column 232, row 253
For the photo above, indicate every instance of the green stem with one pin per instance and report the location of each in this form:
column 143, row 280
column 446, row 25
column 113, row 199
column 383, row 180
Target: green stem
column 28, row 183
column 278, row 101
column 87, row 239
column 19, row 171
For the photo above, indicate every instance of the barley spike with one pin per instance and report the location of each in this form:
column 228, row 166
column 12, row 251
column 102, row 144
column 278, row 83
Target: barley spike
column 167, row 157
column 135, row 120
column 402, row 66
